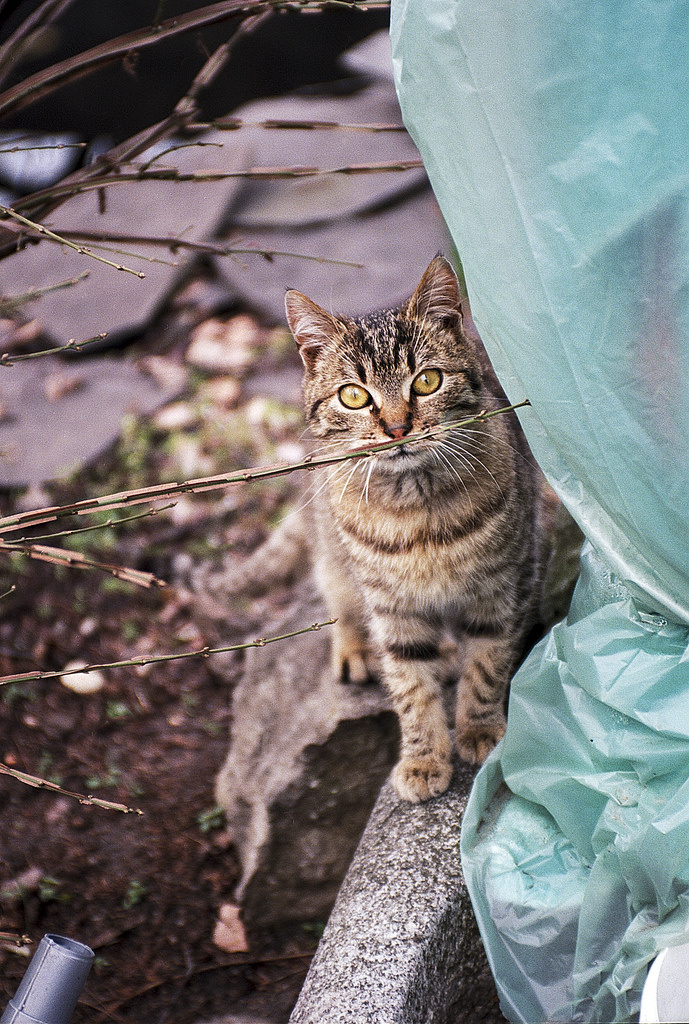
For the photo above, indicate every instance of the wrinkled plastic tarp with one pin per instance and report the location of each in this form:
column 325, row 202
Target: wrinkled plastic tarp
column 556, row 138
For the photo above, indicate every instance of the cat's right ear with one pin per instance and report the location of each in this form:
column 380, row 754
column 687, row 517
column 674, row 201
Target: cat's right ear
column 311, row 326
column 437, row 297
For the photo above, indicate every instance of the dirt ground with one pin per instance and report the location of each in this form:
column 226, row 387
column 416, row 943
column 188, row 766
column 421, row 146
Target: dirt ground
column 143, row 890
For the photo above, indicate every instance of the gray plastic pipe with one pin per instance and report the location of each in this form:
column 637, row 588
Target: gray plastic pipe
column 52, row 984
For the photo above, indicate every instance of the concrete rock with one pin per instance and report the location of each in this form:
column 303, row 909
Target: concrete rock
column 43, row 439
column 116, row 302
column 402, row 945
column 307, row 759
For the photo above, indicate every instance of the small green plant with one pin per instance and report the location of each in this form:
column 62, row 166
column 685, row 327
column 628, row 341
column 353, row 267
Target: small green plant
column 135, row 894
column 16, row 691
column 108, row 780
column 191, row 703
column 117, row 710
column 44, row 769
column 111, row 585
column 130, row 631
column 211, row 819
column 50, row 891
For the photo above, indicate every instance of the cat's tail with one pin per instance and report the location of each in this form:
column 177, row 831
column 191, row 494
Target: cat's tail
column 281, row 560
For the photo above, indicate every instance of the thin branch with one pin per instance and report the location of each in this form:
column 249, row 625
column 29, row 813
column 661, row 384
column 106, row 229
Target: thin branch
column 184, row 109
column 70, row 187
column 37, row 85
column 112, row 522
column 231, row 124
column 76, row 560
column 18, row 941
column 47, row 233
column 6, row 359
column 11, row 302
column 53, row 147
column 57, row 75
column 37, row 783
column 125, row 499
column 105, row 246
column 157, row 659
column 212, row 248
column 42, row 16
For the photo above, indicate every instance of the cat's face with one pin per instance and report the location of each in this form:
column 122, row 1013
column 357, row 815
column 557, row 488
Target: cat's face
column 388, row 374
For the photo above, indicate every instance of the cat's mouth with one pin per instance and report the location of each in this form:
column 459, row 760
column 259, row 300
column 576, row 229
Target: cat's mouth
column 405, row 455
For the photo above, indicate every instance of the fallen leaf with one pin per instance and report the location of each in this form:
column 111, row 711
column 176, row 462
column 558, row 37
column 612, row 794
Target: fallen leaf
column 59, row 384
column 229, row 934
column 82, row 682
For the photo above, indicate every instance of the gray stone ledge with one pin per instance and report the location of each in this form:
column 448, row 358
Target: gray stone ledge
column 401, row 945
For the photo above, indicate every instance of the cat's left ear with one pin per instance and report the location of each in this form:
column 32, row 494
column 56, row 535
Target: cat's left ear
column 311, row 326
column 437, row 297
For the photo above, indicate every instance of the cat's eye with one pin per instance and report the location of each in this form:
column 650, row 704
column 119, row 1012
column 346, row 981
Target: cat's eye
column 354, row 397
column 426, row 382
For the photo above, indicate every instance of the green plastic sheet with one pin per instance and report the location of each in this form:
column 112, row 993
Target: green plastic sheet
column 556, row 137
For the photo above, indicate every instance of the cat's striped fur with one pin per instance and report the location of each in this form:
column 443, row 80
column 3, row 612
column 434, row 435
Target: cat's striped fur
column 441, row 533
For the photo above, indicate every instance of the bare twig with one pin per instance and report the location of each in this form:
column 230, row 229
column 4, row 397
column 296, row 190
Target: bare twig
column 7, row 359
column 76, row 560
column 71, row 186
column 156, row 492
column 184, row 110
column 231, row 124
column 8, row 303
column 37, row 85
column 157, row 659
column 109, row 523
column 46, row 13
column 35, row 148
column 37, row 783
column 213, row 248
column 81, row 249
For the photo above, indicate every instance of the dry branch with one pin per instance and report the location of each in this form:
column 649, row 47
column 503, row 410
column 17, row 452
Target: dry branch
column 38, row 783
column 73, row 186
column 211, row 248
column 7, row 359
column 96, row 526
column 157, row 659
column 45, row 232
column 76, row 560
column 8, row 303
column 37, row 85
column 44, row 15
column 57, row 75
column 156, row 492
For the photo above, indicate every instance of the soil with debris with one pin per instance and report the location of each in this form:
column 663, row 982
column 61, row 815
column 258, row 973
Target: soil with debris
column 144, row 889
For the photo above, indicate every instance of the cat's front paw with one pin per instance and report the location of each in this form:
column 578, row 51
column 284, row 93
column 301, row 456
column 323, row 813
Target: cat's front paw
column 475, row 743
column 420, row 778
column 351, row 659
column 351, row 667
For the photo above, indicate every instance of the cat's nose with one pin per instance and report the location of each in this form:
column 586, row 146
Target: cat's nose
column 396, row 430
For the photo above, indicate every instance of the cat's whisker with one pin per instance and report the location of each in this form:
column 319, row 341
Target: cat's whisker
column 330, row 473
column 364, row 491
column 488, row 442
column 356, row 465
column 451, row 458
column 443, row 458
column 467, row 456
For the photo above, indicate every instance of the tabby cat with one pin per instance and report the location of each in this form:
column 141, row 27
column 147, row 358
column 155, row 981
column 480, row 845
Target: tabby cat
column 441, row 533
